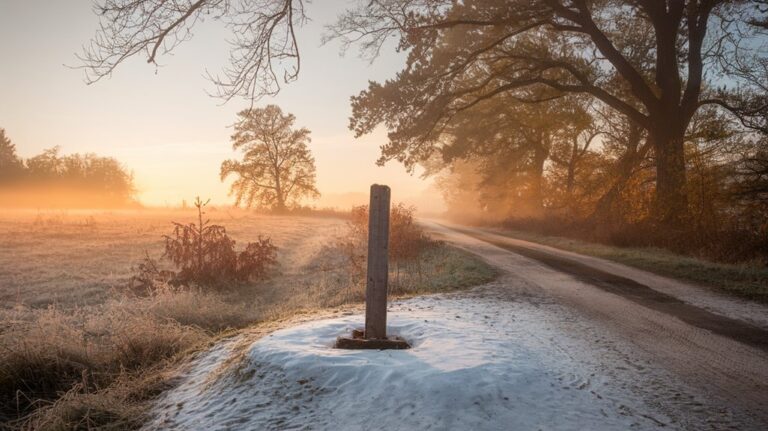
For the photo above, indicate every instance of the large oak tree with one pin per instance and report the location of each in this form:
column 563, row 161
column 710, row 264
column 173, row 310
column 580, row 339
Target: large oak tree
column 656, row 62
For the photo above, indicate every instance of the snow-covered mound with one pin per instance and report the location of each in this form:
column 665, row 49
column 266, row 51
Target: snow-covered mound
column 476, row 364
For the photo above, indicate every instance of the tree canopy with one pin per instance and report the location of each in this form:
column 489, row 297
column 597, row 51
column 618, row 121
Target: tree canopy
column 644, row 59
column 277, row 169
column 628, row 111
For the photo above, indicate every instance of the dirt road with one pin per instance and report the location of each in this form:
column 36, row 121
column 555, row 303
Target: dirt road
column 714, row 343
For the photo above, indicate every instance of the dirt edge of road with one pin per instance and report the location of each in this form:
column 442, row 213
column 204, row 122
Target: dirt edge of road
column 640, row 293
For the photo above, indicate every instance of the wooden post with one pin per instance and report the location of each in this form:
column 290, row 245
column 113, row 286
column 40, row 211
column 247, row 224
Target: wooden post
column 374, row 336
column 378, row 264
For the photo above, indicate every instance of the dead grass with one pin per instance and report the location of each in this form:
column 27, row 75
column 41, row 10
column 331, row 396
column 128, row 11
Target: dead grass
column 747, row 280
column 208, row 311
column 78, row 351
column 47, row 352
column 120, row 405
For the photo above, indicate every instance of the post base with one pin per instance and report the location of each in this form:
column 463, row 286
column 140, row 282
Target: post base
column 357, row 341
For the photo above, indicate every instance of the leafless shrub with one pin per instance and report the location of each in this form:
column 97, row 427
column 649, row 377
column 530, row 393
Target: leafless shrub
column 354, row 241
column 149, row 276
column 408, row 242
column 205, row 255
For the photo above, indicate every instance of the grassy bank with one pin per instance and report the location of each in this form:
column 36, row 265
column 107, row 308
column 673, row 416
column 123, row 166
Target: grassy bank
column 749, row 281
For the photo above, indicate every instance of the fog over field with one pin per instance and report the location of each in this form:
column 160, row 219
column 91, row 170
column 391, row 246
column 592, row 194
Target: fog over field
column 383, row 215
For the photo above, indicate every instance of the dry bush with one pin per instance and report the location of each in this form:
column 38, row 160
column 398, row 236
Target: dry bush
column 148, row 277
column 78, row 409
column 121, row 405
column 205, row 255
column 407, row 240
column 408, row 244
column 354, row 242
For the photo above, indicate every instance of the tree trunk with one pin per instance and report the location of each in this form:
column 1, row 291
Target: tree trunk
column 280, row 204
column 570, row 181
column 279, row 195
column 537, row 177
column 668, row 120
column 671, row 207
column 605, row 208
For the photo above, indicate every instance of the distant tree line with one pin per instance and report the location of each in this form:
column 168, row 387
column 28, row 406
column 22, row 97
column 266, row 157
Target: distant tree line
column 51, row 179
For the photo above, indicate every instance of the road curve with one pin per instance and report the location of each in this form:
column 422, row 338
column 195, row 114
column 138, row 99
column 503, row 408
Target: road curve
column 712, row 342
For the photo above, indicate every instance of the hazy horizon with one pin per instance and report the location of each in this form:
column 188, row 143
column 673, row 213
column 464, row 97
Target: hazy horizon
column 163, row 126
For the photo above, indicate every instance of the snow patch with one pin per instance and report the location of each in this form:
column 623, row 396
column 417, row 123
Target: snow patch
column 475, row 364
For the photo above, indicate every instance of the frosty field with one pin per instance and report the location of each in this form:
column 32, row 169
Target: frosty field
column 80, row 347
column 78, row 257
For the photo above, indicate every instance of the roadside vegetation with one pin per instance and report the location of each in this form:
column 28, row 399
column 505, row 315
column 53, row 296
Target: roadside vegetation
column 747, row 280
column 83, row 348
column 204, row 255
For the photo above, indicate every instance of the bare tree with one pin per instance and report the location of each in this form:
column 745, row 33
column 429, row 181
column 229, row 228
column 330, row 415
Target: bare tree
column 277, row 169
column 263, row 51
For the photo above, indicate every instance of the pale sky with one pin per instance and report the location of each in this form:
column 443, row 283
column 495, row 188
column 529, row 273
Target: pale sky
column 160, row 122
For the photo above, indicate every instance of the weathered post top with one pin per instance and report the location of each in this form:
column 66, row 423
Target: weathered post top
column 378, row 263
